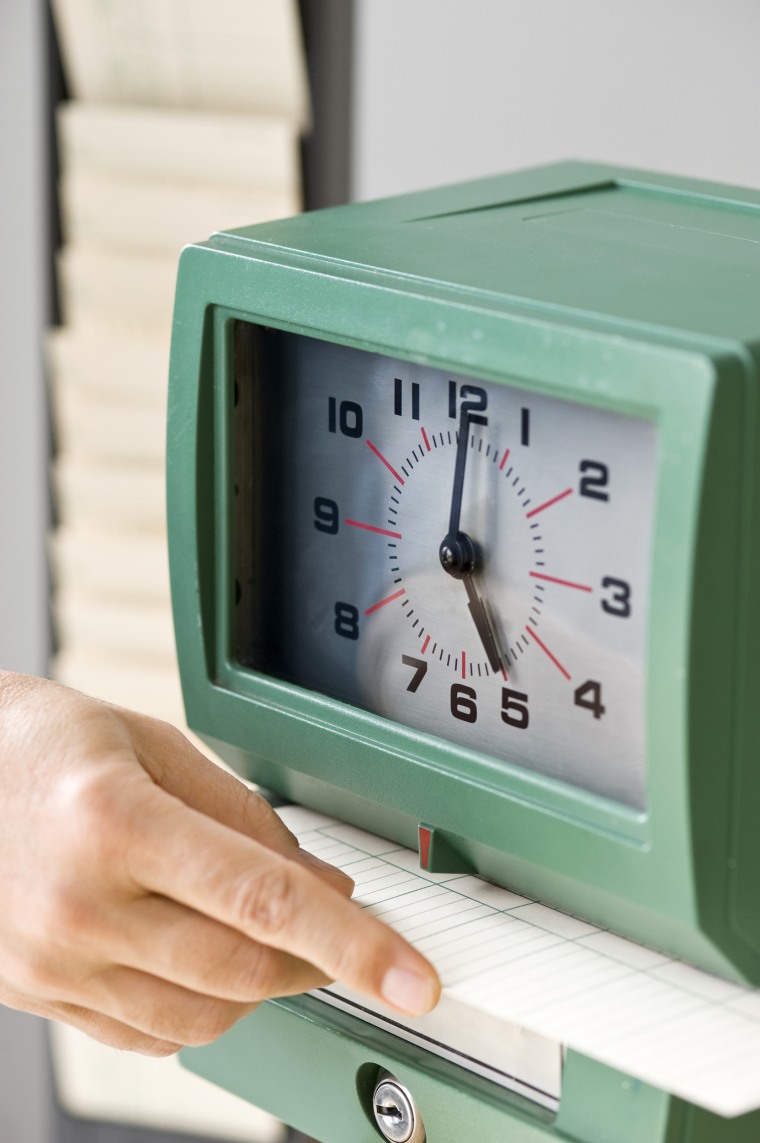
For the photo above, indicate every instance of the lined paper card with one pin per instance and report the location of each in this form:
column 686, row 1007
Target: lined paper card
column 521, row 981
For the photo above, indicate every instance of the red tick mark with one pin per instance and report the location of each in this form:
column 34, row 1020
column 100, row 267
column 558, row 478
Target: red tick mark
column 388, row 599
column 387, row 463
column 546, row 651
column 548, row 503
column 372, row 528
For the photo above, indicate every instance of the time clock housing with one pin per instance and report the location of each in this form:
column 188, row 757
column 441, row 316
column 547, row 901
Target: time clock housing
column 610, row 319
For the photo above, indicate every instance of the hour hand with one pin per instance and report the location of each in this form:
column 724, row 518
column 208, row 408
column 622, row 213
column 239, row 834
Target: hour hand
column 483, row 625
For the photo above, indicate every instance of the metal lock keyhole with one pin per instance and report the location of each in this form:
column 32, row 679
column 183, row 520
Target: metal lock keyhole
column 396, row 1113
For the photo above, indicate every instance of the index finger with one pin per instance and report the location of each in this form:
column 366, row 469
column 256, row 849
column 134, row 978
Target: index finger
column 220, row 873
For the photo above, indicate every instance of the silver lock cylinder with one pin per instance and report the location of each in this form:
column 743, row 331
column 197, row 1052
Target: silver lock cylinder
column 396, row 1113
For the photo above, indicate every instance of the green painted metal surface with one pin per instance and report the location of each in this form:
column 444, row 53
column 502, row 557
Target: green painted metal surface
column 626, row 290
column 316, row 1069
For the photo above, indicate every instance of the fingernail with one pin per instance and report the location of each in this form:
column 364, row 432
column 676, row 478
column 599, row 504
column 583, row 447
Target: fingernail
column 409, row 991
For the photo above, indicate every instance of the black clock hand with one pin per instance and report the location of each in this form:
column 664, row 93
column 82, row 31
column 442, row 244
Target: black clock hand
column 459, row 468
column 457, row 551
column 482, row 621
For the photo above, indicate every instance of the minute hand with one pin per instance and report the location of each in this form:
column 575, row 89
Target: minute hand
column 459, row 468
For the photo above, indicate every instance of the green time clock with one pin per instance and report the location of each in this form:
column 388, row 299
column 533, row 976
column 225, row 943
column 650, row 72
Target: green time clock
column 464, row 537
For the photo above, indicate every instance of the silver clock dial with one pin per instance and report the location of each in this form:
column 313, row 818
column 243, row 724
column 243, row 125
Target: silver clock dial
column 467, row 558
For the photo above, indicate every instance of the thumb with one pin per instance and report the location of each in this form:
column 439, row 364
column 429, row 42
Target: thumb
column 174, row 764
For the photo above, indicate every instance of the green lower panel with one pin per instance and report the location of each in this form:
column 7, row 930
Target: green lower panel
column 315, row 1068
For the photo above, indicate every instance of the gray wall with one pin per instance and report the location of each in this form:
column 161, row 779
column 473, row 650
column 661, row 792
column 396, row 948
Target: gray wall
column 24, row 276
column 447, row 90
column 24, row 1080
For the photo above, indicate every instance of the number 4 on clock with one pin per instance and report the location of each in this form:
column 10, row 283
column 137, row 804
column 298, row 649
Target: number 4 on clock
column 589, row 695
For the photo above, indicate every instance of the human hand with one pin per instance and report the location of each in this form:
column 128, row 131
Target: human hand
column 150, row 898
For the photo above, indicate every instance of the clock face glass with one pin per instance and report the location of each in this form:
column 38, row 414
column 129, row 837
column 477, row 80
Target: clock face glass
column 464, row 557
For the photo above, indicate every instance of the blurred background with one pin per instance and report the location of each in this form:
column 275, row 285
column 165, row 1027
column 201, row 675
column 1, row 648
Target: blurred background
column 129, row 127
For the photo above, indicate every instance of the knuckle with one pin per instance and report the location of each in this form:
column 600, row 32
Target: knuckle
column 257, row 809
column 94, row 813
column 171, row 736
column 352, row 955
column 112, row 1032
column 36, row 974
column 257, row 979
column 264, row 902
column 59, row 921
column 210, row 1021
column 259, row 820
column 261, row 816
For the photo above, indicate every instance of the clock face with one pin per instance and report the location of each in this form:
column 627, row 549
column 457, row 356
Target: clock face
column 464, row 557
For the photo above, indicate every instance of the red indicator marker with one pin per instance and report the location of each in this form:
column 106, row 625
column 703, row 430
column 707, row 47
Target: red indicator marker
column 503, row 460
column 388, row 599
column 372, row 528
column 387, row 463
column 548, row 503
column 425, row 438
column 425, row 835
column 546, row 651
column 504, row 673
column 425, row 644
column 561, row 582
column 464, row 664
